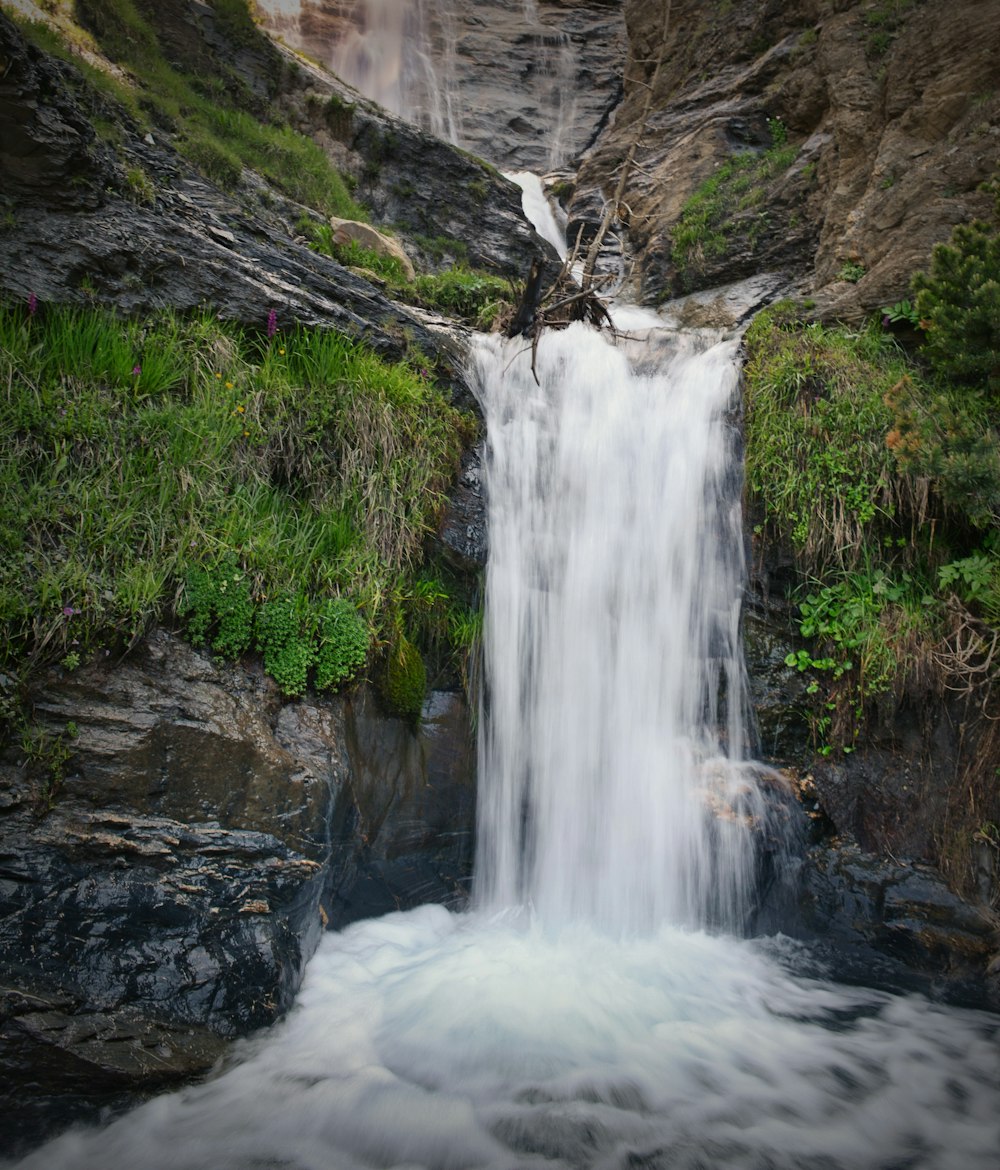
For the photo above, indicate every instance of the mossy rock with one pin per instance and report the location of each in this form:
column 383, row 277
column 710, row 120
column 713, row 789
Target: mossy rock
column 405, row 681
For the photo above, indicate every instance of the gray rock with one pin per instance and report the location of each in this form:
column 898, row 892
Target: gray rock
column 167, row 894
column 526, row 86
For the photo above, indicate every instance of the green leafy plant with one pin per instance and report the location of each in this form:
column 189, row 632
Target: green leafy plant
column 851, row 271
column 219, row 608
column 343, row 640
column 901, row 313
column 283, row 637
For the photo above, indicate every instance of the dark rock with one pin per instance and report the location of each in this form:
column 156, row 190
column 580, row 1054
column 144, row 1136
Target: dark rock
column 204, row 832
column 884, row 923
column 48, row 147
column 434, row 195
column 463, row 530
column 403, row 831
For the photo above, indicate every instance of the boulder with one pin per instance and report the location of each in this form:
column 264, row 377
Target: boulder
column 347, row 230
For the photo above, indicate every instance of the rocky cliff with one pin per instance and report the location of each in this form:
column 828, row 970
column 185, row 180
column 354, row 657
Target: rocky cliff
column 891, row 110
column 526, row 86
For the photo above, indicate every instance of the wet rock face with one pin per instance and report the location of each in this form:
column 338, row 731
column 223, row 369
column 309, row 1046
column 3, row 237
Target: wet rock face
column 166, row 892
column 895, row 117
column 898, row 925
column 524, row 85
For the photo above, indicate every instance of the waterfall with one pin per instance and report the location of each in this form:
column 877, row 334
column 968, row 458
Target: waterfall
column 579, row 1018
column 611, row 789
column 401, row 53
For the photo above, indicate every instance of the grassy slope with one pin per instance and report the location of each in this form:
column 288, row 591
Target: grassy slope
column 138, row 452
column 173, row 469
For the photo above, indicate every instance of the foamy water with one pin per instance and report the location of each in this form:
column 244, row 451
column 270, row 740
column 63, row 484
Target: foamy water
column 457, row 1041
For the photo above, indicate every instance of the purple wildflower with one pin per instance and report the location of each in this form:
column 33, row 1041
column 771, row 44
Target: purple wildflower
column 272, row 323
column 136, row 371
column 68, row 611
column 32, row 304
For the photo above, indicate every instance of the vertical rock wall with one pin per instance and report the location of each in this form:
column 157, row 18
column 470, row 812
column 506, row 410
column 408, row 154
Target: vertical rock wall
column 524, row 85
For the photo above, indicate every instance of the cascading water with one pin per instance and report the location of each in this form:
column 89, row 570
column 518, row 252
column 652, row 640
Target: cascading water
column 401, row 54
column 577, row 1018
column 611, row 630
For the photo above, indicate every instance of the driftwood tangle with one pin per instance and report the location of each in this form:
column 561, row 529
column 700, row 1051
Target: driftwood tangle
column 576, row 298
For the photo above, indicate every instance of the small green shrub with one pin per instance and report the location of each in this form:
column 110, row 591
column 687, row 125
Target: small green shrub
column 343, row 641
column 284, row 640
column 851, row 271
column 958, row 303
column 945, row 437
column 218, row 608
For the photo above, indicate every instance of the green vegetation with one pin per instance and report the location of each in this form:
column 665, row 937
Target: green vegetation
column 220, row 124
column 851, row 271
column 724, row 205
column 958, row 301
column 265, row 493
column 475, row 296
column 405, row 679
column 471, row 295
column 817, row 463
column 880, row 518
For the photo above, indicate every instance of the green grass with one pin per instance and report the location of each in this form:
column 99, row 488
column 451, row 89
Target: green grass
column 716, row 212
column 818, row 468
column 145, row 460
column 219, row 124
